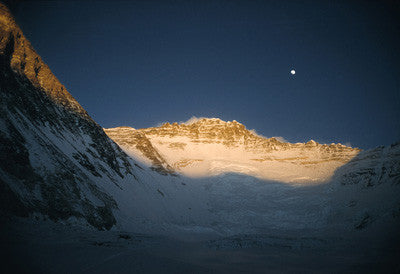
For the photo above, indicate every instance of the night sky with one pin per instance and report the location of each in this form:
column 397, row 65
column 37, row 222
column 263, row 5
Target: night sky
column 143, row 63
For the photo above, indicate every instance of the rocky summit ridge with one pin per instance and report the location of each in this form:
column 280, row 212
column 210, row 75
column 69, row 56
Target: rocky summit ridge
column 231, row 133
column 211, row 146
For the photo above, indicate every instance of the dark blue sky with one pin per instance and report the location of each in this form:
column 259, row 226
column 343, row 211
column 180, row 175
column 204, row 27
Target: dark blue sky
column 141, row 63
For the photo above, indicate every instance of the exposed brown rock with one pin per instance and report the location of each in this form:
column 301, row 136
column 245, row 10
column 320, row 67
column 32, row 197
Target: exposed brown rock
column 129, row 138
column 24, row 61
column 232, row 135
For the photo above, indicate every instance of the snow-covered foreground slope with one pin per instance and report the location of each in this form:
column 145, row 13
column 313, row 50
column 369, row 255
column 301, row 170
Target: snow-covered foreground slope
column 209, row 147
column 47, row 247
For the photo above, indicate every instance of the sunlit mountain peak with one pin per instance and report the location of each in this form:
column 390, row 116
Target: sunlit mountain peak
column 210, row 146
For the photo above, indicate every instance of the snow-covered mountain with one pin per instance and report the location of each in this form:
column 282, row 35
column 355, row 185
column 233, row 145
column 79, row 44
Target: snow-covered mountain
column 209, row 147
column 57, row 163
column 241, row 179
column 202, row 179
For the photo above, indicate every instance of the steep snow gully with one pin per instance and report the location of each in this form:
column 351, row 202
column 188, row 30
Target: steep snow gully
column 205, row 196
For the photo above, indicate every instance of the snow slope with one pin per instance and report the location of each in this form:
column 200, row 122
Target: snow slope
column 30, row 246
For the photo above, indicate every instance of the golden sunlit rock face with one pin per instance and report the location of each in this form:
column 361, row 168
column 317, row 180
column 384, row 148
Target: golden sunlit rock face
column 129, row 137
column 208, row 147
column 24, row 61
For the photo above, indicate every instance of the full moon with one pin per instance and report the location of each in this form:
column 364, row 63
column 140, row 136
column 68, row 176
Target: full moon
column 293, row 72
